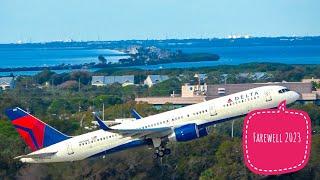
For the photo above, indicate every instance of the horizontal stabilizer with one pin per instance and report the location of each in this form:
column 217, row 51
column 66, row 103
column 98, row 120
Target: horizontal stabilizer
column 37, row 156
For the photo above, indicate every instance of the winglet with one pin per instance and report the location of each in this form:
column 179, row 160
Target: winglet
column 135, row 114
column 102, row 125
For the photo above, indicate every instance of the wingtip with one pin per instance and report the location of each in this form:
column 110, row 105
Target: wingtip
column 135, row 114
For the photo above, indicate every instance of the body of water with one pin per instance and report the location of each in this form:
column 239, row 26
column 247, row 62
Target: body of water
column 31, row 73
column 36, row 57
column 247, row 54
column 229, row 55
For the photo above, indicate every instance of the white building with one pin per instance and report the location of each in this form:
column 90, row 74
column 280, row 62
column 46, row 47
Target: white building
column 7, row 83
column 188, row 90
column 107, row 80
column 311, row 80
column 155, row 79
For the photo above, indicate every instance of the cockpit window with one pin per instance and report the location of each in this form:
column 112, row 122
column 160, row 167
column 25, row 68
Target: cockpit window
column 283, row 90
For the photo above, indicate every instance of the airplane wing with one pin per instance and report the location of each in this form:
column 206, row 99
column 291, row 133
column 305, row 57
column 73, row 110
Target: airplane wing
column 38, row 155
column 140, row 132
column 133, row 132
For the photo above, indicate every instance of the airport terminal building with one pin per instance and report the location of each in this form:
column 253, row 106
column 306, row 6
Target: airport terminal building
column 191, row 94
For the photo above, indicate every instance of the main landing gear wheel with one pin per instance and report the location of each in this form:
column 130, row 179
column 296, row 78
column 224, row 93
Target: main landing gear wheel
column 160, row 148
column 155, row 155
column 161, row 152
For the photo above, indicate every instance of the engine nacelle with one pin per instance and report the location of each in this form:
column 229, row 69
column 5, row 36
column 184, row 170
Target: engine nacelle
column 187, row 132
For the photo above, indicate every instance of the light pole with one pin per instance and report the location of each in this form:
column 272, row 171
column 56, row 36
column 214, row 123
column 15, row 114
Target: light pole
column 232, row 129
column 103, row 111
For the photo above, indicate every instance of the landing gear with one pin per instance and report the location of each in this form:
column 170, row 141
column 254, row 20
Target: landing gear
column 155, row 156
column 160, row 148
column 161, row 152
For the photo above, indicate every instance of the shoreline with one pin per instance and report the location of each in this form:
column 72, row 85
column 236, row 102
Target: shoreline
column 94, row 65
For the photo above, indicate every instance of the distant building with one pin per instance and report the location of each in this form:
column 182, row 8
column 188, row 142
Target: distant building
column 155, row 79
column 107, row 80
column 180, row 101
column 311, row 80
column 201, row 77
column 133, row 49
column 98, row 81
column 191, row 94
column 193, row 90
column 260, row 75
column 304, row 89
column 7, row 83
column 254, row 76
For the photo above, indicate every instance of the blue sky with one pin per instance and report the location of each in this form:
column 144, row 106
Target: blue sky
column 48, row 20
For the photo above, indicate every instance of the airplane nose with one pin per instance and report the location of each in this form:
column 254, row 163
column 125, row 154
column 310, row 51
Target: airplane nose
column 295, row 96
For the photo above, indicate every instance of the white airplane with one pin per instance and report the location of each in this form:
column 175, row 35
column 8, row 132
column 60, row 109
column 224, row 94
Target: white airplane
column 183, row 124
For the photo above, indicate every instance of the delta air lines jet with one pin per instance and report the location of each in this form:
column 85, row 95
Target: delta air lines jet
column 184, row 124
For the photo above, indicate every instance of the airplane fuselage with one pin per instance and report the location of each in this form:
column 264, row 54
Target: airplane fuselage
column 203, row 114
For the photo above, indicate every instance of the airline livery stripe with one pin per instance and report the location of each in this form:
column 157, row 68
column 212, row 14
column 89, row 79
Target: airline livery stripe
column 29, row 131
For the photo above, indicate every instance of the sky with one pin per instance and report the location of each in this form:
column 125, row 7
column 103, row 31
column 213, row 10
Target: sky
column 82, row 20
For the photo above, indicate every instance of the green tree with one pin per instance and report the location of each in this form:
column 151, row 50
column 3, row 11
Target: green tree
column 102, row 59
column 44, row 76
column 166, row 88
column 229, row 162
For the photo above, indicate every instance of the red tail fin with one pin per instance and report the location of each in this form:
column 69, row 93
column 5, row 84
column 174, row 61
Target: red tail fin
column 35, row 133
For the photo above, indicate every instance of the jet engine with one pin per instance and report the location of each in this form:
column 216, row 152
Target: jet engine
column 187, row 132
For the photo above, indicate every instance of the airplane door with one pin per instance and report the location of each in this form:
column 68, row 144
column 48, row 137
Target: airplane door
column 268, row 96
column 212, row 110
column 70, row 149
